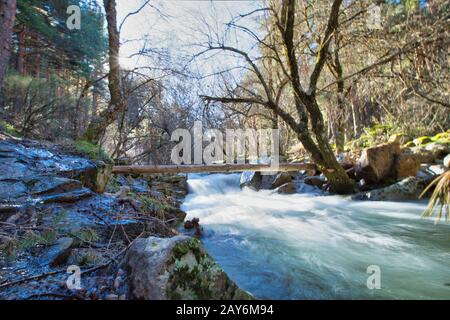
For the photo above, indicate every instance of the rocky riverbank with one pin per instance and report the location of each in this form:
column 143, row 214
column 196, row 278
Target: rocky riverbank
column 397, row 170
column 68, row 230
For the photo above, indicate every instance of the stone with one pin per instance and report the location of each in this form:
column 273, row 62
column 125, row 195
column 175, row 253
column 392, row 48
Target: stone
column 316, row 181
column 438, row 150
column 12, row 189
column 281, row 179
column 405, row 165
column 251, row 179
column 52, row 185
column 422, row 154
column 446, row 161
column 287, row 188
column 406, row 189
column 59, row 253
column 68, row 197
column 176, row 268
column 376, row 162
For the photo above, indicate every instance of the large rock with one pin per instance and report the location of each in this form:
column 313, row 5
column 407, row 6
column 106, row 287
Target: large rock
column 281, row 179
column 176, row 268
column 316, row 181
column 405, row 165
column 407, row 189
column 287, row 188
column 429, row 172
column 376, row 163
column 251, row 179
column 430, row 153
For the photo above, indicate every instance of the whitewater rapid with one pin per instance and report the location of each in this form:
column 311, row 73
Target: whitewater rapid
column 311, row 246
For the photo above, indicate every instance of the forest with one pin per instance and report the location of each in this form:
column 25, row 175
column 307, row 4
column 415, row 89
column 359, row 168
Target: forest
column 114, row 170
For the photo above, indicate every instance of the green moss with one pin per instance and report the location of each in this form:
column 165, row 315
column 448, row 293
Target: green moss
column 9, row 129
column 200, row 279
column 91, row 151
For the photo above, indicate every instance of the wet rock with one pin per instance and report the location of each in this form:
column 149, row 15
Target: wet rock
column 316, row 181
column 287, row 188
column 12, row 189
column 191, row 224
column 176, row 268
column 405, row 165
column 52, row 185
column 58, row 253
column 406, row 189
column 281, row 179
column 251, row 179
column 428, row 173
column 68, row 197
column 447, row 161
column 376, row 163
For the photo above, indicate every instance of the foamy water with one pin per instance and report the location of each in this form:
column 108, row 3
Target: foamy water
column 310, row 246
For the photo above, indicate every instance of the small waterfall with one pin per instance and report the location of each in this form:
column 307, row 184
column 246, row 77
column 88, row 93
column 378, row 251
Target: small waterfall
column 310, row 246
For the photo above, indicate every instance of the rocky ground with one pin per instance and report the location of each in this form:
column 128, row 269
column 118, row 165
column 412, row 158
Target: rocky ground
column 60, row 222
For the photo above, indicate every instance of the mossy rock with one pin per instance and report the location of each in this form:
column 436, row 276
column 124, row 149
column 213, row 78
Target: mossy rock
column 9, row 129
column 422, row 141
column 91, row 151
column 177, row 268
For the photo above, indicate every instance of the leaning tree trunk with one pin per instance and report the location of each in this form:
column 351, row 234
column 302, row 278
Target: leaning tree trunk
column 7, row 18
column 98, row 125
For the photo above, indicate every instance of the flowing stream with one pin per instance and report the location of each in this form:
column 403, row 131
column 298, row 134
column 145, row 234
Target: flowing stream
column 312, row 246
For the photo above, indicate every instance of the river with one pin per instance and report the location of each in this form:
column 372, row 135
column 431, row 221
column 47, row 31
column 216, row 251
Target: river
column 314, row 246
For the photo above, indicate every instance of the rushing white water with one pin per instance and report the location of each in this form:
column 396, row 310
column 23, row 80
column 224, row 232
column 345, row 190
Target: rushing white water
column 310, row 246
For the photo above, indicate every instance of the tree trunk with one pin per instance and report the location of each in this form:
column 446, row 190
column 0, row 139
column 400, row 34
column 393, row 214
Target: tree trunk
column 7, row 18
column 117, row 105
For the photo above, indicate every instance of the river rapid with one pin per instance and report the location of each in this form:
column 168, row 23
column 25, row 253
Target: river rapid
column 314, row 246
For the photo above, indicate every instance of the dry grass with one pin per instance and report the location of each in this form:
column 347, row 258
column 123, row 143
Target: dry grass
column 439, row 204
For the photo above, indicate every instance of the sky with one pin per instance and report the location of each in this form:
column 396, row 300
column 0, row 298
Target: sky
column 176, row 26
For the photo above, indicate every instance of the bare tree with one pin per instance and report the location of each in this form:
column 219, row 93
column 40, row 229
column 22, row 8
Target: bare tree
column 118, row 105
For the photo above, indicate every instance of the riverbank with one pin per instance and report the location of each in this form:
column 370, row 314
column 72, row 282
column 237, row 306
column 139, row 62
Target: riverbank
column 70, row 231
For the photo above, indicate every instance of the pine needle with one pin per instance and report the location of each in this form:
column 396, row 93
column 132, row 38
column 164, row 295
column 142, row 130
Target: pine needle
column 439, row 204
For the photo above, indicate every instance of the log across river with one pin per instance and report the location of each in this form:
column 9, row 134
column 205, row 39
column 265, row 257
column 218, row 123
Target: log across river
column 154, row 169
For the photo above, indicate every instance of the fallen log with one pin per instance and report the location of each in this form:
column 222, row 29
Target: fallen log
column 154, row 169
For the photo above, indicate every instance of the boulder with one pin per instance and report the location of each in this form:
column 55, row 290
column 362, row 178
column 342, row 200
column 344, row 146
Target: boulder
column 428, row 173
column 316, row 181
column 447, row 161
column 52, row 185
column 281, row 179
column 287, row 188
column 422, row 154
column 405, row 165
column 176, row 268
column 376, row 163
column 251, row 179
column 438, row 150
column 406, row 189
